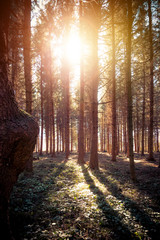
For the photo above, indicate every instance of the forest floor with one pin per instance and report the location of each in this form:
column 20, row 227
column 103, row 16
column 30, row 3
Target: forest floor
column 65, row 201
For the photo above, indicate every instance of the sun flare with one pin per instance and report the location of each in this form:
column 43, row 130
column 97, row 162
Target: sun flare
column 73, row 49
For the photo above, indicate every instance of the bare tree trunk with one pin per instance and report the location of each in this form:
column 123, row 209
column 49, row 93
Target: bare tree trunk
column 108, row 139
column 67, row 108
column 81, row 106
column 124, row 135
column 104, row 137
column 137, row 124
column 114, row 133
column 42, row 120
column 157, row 138
column 94, row 105
column 151, row 158
column 27, row 54
column 47, row 125
column 27, row 65
column 102, row 133
column 129, row 93
column 143, row 111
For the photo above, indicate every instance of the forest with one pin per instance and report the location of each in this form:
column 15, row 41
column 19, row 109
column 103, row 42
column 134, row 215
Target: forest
column 79, row 119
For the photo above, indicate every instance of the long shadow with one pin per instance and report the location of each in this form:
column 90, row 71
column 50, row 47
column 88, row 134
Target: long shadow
column 148, row 177
column 114, row 221
column 23, row 216
column 139, row 214
column 144, row 184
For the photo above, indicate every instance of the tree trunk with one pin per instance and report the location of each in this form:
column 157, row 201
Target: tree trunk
column 67, row 108
column 114, row 134
column 144, row 106
column 108, row 138
column 151, row 158
column 18, row 131
column 94, row 105
column 57, row 131
column 129, row 93
column 42, row 122
column 27, row 54
column 27, row 65
column 47, row 124
column 81, row 106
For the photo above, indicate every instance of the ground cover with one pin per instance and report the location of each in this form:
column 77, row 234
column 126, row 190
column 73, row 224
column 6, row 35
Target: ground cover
column 63, row 200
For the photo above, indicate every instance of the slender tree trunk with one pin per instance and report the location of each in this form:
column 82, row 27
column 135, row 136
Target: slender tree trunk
column 57, row 126
column 124, row 136
column 143, row 111
column 151, row 158
column 137, row 125
column 50, row 132
column 129, row 93
column 94, row 106
column 102, row 133
column 47, row 125
column 27, row 54
column 108, row 139
column 114, row 133
column 81, row 106
column 42, row 120
column 66, row 84
column 104, row 137
column 157, row 139
column 67, row 104
column 27, row 65
column 118, row 143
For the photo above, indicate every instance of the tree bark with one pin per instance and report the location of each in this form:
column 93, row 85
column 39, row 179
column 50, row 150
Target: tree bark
column 27, row 54
column 129, row 93
column 150, row 157
column 144, row 107
column 81, row 106
column 114, row 134
column 95, row 80
column 42, row 117
column 27, row 65
column 18, row 131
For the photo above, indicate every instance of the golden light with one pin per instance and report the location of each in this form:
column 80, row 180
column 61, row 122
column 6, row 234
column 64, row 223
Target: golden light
column 73, row 49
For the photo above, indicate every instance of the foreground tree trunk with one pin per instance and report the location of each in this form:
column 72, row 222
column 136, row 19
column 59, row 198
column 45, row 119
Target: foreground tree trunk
column 18, row 131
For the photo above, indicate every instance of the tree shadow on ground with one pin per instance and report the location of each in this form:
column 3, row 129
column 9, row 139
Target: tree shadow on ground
column 136, row 211
column 26, row 207
column 113, row 220
column 148, row 176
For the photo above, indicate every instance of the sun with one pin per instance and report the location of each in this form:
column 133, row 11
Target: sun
column 70, row 49
column 73, row 49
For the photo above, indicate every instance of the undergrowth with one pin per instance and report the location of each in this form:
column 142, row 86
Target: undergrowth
column 63, row 200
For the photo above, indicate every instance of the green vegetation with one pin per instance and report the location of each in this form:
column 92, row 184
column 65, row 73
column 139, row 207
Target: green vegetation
column 63, row 200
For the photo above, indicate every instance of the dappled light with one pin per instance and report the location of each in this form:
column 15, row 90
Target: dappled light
column 65, row 200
